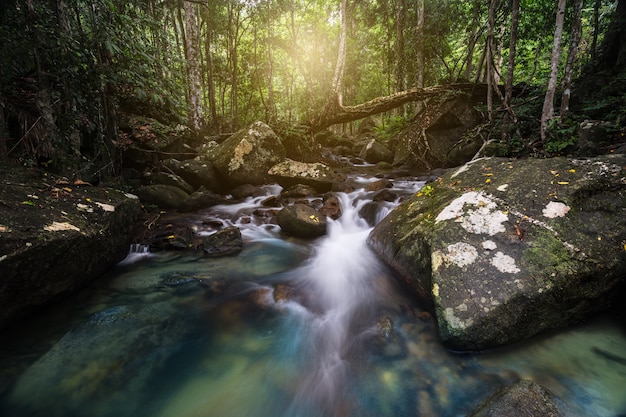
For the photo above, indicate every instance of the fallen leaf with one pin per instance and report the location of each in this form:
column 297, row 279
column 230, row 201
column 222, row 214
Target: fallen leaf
column 563, row 182
column 81, row 182
column 61, row 226
column 106, row 207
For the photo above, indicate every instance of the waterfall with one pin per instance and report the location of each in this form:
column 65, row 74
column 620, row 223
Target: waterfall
column 136, row 252
column 343, row 276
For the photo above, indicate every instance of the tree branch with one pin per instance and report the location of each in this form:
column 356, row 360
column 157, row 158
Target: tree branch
column 379, row 105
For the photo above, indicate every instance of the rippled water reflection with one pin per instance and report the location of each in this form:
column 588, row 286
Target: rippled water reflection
column 286, row 328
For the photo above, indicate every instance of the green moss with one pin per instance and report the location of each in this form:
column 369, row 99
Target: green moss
column 547, row 256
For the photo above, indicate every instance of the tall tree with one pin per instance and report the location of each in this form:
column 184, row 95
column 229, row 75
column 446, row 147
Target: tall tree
column 571, row 57
column 419, row 48
column 508, row 85
column 547, row 113
column 192, row 48
column 337, row 86
column 489, row 56
column 400, row 45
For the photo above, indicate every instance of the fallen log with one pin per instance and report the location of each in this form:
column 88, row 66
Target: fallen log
column 343, row 114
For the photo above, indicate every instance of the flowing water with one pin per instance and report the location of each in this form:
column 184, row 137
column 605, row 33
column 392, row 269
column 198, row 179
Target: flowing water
column 289, row 328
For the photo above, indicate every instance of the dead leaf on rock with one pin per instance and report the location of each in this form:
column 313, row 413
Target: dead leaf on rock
column 61, row 226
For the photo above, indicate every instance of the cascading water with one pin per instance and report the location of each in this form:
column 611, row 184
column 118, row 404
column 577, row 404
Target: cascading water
column 341, row 276
column 286, row 328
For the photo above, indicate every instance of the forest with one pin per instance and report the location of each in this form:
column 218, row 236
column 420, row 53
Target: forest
column 71, row 69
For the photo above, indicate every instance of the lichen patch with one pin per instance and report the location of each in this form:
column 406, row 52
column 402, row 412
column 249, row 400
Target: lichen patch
column 489, row 245
column 485, row 218
column 455, row 322
column 462, row 254
column 242, row 149
column 504, row 263
column 555, row 209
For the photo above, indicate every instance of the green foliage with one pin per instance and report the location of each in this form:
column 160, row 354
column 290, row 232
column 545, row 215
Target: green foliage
column 559, row 135
column 260, row 60
column 391, row 127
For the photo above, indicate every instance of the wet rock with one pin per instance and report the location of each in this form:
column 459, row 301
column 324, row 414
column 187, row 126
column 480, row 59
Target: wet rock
column 522, row 399
column 317, row 175
column 375, row 152
column 200, row 200
column 507, row 249
column 246, row 156
column 165, row 178
column 298, row 191
column 198, row 172
column 224, row 242
column 282, row 293
column 331, row 207
column 385, row 195
column 300, row 220
column 379, row 185
column 369, row 212
column 247, row 190
column 163, row 196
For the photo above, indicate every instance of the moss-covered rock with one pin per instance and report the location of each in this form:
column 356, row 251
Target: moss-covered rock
column 56, row 236
column 506, row 249
column 245, row 157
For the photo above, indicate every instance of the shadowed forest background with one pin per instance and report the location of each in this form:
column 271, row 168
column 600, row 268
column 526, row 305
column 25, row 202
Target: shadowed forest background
column 72, row 71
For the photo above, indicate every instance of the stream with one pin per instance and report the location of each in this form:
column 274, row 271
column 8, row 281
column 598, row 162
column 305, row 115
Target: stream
column 289, row 327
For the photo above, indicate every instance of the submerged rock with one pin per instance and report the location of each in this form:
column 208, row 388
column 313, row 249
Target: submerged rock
column 507, row 249
column 522, row 399
column 106, row 363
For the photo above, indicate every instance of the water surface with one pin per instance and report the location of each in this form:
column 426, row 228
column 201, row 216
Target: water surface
column 289, row 327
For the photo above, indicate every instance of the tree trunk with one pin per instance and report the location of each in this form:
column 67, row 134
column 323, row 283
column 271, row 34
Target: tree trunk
column 571, row 57
column 613, row 50
column 508, row 85
column 419, row 57
column 337, row 86
column 211, row 76
column 489, row 58
column 193, row 67
column 596, row 29
column 548, row 104
column 399, row 47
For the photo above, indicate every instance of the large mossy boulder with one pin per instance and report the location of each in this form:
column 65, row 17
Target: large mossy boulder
column 246, row 156
column 56, row 237
column 507, row 249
